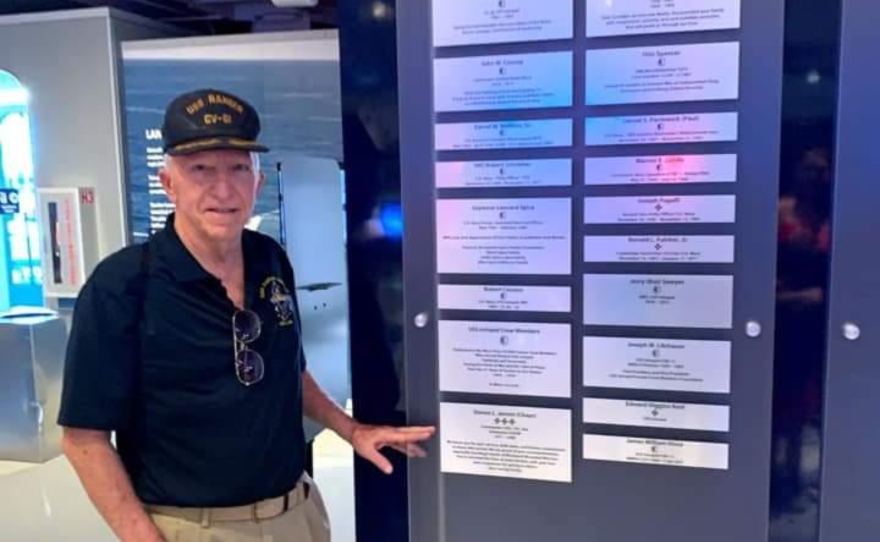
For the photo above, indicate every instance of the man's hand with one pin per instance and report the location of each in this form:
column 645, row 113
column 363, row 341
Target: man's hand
column 369, row 440
column 107, row 484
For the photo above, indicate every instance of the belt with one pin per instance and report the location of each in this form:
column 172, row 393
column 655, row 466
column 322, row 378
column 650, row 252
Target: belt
column 265, row 509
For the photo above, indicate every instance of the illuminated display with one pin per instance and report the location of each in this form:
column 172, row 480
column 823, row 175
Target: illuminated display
column 296, row 94
column 20, row 272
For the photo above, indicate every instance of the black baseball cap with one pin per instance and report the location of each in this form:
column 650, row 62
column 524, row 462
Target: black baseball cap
column 209, row 119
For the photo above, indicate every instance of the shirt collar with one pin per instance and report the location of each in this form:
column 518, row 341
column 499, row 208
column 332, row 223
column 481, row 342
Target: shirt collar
column 182, row 265
column 185, row 268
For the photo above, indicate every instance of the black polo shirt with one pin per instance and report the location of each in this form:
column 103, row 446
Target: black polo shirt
column 151, row 356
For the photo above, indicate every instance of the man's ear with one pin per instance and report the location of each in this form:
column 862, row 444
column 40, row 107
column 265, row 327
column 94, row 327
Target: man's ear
column 167, row 184
column 261, row 180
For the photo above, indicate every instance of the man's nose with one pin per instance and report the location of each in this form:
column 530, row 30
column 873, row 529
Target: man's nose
column 222, row 187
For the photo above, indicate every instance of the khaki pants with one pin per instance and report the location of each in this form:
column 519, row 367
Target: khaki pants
column 304, row 521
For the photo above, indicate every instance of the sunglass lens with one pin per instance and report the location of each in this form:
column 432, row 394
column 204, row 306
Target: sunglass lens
column 249, row 366
column 246, row 325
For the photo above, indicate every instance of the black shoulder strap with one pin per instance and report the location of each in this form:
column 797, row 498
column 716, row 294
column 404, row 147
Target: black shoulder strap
column 146, row 259
column 142, row 280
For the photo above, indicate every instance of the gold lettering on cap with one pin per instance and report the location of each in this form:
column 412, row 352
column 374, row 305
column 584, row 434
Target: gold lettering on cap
column 195, row 106
column 222, row 99
column 211, row 118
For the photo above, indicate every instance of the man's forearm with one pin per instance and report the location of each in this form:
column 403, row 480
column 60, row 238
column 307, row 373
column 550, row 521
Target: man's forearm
column 108, row 486
column 319, row 407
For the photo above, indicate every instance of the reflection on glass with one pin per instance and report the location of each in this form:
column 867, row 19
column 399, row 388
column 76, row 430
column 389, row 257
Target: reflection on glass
column 806, row 184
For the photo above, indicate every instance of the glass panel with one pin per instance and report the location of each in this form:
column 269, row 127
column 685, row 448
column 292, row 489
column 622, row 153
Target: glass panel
column 806, row 180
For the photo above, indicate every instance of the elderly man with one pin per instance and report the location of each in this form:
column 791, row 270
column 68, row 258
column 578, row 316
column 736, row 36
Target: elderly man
column 189, row 348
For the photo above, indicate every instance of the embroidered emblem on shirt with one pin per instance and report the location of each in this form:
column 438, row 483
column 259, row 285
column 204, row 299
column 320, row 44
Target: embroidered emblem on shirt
column 279, row 296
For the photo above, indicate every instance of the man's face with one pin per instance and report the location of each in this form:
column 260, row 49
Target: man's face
column 213, row 191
